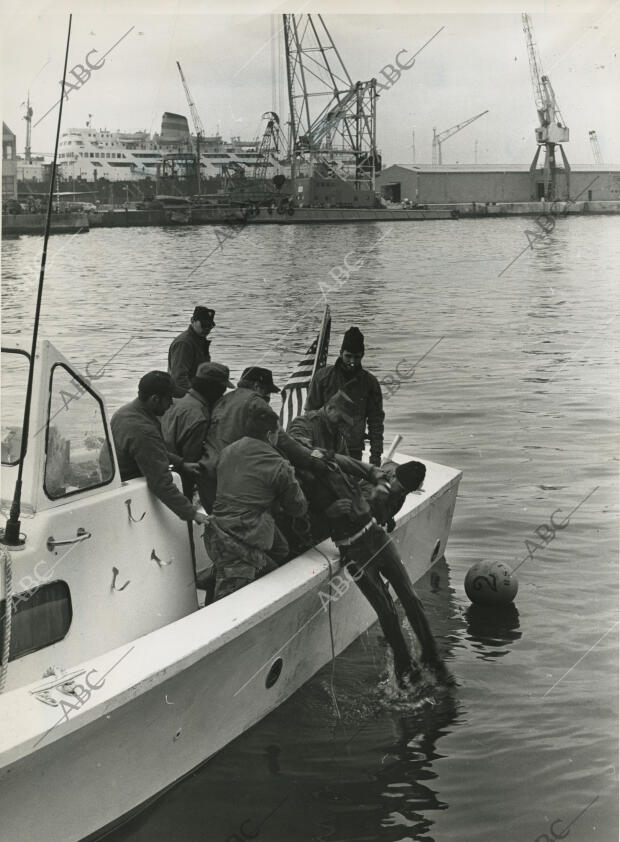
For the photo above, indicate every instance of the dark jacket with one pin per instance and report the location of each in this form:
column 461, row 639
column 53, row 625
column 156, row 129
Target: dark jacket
column 314, row 430
column 185, row 426
column 322, row 491
column 228, row 424
column 252, row 480
column 141, row 451
column 186, row 353
column 364, row 390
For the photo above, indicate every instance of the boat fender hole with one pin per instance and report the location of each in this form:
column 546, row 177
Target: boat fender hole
column 274, row 673
column 435, row 554
column 177, row 735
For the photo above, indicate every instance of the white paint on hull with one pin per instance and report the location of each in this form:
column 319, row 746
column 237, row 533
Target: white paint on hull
column 184, row 691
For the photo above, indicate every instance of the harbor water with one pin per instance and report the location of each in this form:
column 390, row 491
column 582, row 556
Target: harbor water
column 508, row 371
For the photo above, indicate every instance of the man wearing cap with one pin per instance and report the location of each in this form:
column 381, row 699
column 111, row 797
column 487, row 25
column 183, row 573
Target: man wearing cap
column 362, row 387
column 141, row 449
column 370, row 557
column 186, row 423
column 325, row 427
column 254, row 482
column 191, row 348
column 229, row 418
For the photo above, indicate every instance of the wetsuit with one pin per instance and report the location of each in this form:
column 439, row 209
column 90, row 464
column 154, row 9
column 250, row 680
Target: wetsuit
column 371, row 557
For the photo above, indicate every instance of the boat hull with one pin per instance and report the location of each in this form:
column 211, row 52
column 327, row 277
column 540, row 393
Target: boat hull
column 158, row 708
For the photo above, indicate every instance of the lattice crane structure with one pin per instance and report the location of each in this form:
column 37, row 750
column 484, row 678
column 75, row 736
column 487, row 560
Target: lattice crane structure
column 198, row 127
column 270, row 144
column 596, row 149
column 332, row 118
column 552, row 131
column 441, row 137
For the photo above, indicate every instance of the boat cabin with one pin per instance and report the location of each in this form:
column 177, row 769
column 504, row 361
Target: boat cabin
column 100, row 561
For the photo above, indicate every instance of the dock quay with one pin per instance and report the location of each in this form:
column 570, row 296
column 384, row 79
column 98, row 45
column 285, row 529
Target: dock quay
column 71, row 223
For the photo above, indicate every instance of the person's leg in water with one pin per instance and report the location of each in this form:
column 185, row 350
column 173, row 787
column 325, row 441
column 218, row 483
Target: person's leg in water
column 392, row 567
column 369, row 581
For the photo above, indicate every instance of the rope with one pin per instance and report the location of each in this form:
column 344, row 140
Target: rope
column 5, row 556
column 331, row 637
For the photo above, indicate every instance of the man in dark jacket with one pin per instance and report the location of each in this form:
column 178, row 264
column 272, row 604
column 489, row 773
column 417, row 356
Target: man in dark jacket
column 325, row 427
column 362, row 387
column 186, row 423
column 254, row 481
column 370, row 557
column 141, row 449
column 228, row 425
column 191, row 348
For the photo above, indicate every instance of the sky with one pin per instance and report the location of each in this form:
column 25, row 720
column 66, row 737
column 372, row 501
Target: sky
column 478, row 61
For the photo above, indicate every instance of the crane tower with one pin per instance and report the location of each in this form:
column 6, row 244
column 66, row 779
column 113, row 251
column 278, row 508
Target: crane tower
column 332, row 118
column 596, row 149
column 439, row 138
column 552, row 131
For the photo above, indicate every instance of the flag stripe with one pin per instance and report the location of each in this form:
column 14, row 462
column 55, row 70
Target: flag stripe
column 296, row 390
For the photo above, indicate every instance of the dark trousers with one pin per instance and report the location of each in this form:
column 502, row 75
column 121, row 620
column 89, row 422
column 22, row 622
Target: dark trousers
column 370, row 558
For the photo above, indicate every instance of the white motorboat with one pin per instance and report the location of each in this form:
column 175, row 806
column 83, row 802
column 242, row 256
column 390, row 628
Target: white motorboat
column 118, row 682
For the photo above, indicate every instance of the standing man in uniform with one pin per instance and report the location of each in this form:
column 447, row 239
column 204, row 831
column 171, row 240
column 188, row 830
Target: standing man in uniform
column 364, row 390
column 140, row 447
column 191, row 348
column 254, row 483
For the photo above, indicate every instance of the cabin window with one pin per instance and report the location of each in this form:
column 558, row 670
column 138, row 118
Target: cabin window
column 78, row 453
column 41, row 616
column 14, row 378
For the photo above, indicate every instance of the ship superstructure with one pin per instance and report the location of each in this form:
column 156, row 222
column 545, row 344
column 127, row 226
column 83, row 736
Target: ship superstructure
column 89, row 154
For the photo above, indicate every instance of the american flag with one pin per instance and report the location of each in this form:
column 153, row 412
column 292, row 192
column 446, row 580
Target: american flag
column 295, row 392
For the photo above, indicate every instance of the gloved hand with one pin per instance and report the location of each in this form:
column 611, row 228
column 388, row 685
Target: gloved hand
column 191, row 468
column 340, row 508
column 375, row 459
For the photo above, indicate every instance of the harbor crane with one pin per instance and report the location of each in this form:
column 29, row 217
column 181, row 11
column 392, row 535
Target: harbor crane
column 28, row 119
column 332, row 118
column 552, row 130
column 200, row 132
column 596, row 149
column 440, row 138
column 269, row 145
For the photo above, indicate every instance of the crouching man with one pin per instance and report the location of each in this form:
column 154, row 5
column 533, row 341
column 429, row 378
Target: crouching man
column 253, row 482
column 371, row 558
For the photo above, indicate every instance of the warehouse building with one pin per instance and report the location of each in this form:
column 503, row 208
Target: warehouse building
column 458, row 184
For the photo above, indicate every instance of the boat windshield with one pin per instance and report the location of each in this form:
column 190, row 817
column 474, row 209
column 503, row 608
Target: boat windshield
column 13, row 379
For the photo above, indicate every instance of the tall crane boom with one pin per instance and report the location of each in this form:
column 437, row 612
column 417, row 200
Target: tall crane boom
column 552, row 128
column 192, row 106
column 200, row 132
column 440, row 137
column 551, row 131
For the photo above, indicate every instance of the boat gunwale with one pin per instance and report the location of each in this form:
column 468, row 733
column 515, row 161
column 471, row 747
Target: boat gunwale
column 293, row 580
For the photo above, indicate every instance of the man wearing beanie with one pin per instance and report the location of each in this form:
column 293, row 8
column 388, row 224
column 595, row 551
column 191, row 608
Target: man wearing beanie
column 362, row 387
column 254, row 482
column 191, row 348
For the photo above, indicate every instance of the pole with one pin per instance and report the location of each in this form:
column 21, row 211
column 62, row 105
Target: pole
column 11, row 535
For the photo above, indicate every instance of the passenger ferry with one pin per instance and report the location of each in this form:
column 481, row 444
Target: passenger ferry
column 88, row 154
